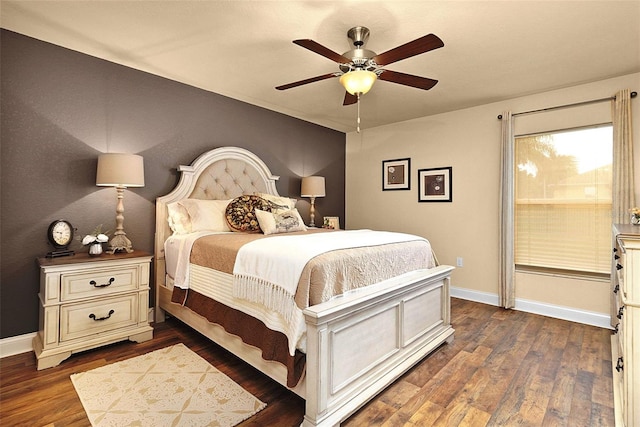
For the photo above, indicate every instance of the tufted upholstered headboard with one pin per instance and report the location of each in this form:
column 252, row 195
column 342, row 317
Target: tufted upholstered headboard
column 219, row 174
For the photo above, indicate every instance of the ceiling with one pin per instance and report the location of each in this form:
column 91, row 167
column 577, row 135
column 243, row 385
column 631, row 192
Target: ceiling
column 493, row 50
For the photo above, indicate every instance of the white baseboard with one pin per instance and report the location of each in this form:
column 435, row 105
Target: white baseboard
column 600, row 320
column 23, row 343
column 477, row 296
column 592, row 318
column 16, row 345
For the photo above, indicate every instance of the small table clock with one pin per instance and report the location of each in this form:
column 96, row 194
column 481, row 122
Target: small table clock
column 60, row 235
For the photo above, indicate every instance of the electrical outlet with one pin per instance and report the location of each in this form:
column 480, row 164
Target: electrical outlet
column 459, row 261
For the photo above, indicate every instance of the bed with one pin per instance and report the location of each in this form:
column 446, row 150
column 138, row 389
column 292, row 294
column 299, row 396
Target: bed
column 408, row 310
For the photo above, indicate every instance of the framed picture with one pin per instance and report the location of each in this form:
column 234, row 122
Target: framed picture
column 434, row 185
column 332, row 222
column 395, row 174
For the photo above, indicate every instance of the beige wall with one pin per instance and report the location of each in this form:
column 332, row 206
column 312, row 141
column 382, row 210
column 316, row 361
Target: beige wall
column 469, row 141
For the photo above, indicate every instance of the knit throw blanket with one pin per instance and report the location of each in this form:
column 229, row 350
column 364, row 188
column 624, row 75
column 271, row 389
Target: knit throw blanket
column 267, row 271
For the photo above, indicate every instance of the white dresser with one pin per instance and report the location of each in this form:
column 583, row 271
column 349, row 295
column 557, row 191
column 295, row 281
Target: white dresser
column 625, row 343
column 87, row 302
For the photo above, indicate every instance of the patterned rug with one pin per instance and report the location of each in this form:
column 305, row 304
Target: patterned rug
column 168, row 387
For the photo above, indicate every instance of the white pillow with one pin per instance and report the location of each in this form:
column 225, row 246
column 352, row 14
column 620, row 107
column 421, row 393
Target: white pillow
column 191, row 215
column 178, row 218
column 206, row 215
column 280, row 222
column 285, row 202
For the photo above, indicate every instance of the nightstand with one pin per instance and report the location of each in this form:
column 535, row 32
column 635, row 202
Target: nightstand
column 87, row 302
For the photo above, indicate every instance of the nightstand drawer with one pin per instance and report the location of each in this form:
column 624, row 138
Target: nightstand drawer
column 98, row 282
column 94, row 317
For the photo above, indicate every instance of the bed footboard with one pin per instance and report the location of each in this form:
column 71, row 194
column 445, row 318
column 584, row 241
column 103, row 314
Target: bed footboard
column 359, row 343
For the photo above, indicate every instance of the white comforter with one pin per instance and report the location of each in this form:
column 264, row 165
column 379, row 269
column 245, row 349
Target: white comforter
column 259, row 276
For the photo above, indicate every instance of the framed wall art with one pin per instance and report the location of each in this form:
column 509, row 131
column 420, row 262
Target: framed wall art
column 395, row 174
column 435, row 185
column 332, row 222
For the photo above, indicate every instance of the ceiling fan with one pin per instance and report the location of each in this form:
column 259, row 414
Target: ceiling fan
column 360, row 67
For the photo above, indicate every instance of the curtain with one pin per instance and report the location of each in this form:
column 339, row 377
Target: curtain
column 506, row 291
column 623, row 189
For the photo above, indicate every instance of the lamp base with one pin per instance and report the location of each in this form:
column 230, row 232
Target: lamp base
column 119, row 243
column 312, row 213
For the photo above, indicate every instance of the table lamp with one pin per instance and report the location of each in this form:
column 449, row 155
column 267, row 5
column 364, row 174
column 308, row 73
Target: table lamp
column 120, row 171
column 312, row 186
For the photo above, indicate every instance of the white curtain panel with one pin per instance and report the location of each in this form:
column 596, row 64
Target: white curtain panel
column 506, row 291
column 623, row 188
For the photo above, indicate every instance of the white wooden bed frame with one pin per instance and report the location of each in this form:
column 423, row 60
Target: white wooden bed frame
column 357, row 344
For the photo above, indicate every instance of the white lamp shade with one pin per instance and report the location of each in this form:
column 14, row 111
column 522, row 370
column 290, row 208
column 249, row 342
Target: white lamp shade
column 358, row 81
column 120, row 170
column 312, row 186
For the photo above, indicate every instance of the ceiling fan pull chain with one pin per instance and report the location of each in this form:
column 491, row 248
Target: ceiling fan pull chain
column 358, row 123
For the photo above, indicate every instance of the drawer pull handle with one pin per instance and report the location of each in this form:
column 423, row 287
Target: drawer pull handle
column 618, row 267
column 616, row 289
column 616, row 257
column 620, row 364
column 104, row 285
column 620, row 313
column 93, row 316
column 615, row 330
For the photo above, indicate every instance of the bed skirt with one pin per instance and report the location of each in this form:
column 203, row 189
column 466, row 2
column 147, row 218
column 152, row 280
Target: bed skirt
column 252, row 331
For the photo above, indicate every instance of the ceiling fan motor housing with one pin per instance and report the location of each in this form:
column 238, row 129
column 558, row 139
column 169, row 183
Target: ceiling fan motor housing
column 360, row 57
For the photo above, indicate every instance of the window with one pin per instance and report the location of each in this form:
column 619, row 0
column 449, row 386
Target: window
column 563, row 200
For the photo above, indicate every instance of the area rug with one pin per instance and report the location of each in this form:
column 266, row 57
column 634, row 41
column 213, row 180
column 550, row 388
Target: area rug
column 168, row 387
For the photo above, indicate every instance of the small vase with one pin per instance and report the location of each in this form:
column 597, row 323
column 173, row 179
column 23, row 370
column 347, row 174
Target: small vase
column 95, row 249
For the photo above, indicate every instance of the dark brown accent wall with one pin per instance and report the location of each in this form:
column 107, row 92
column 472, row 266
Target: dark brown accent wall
column 59, row 109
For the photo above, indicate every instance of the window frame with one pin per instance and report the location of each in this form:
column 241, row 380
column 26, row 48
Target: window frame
column 554, row 271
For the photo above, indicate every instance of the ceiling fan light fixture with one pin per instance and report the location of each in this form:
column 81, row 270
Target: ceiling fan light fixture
column 358, row 81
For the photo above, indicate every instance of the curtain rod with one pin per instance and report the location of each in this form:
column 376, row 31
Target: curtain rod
column 577, row 104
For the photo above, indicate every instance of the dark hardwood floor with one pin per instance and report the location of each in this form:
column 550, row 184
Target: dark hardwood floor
column 504, row 368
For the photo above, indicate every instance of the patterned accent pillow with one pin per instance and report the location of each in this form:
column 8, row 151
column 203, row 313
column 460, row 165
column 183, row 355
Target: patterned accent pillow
column 241, row 215
column 280, row 221
column 283, row 202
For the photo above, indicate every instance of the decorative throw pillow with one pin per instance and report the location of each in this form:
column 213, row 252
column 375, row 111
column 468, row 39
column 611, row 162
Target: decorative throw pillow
column 280, row 222
column 282, row 202
column 240, row 213
column 206, row 215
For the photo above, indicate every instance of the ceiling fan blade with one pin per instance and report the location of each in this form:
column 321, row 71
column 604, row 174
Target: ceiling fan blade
column 407, row 79
column 407, row 50
column 321, row 50
column 306, row 81
column 349, row 99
